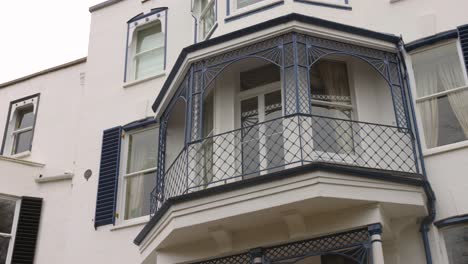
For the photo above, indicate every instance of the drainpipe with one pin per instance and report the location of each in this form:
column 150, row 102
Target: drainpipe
column 196, row 28
column 429, row 219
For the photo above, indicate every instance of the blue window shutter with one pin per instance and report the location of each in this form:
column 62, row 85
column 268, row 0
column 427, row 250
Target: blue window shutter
column 108, row 177
column 27, row 229
column 463, row 34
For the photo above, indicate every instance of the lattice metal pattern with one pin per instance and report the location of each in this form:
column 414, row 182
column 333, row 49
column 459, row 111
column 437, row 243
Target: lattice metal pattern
column 353, row 244
column 230, row 157
column 284, row 143
column 322, row 245
column 236, row 259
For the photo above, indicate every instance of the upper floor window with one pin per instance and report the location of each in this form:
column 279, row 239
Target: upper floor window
column 456, row 243
column 138, row 171
column 20, row 126
column 442, row 94
column 205, row 12
column 243, row 3
column 9, row 211
column 146, row 46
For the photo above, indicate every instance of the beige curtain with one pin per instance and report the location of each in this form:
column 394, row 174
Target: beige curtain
column 139, row 159
column 451, row 76
column 336, row 83
column 427, row 84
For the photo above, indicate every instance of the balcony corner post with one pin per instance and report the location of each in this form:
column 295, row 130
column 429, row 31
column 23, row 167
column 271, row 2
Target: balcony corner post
column 375, row 232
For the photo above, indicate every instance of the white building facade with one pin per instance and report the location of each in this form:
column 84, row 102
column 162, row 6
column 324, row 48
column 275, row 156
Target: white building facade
column 244, row 131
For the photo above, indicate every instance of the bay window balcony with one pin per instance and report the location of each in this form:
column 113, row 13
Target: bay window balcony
column 283, row 105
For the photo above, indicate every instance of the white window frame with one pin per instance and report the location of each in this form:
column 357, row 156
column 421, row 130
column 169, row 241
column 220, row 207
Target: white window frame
column 133, row 28
column 234, row 11
column 203, row 14
column 352, row 107
column 10, row 131
column 123, row 176
column 448, row 147
column 14, row 227
column 260, row 92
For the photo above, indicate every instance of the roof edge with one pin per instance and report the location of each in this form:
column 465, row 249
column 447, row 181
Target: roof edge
column 262, row 26
column 103, row 4
column 43, row 72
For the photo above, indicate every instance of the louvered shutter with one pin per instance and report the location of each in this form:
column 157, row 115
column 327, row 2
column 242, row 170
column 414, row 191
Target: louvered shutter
column 108, row 177
column 463, row 34
column 27, row 230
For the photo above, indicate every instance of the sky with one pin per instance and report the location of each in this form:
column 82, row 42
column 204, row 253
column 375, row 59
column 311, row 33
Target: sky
column 39, row 34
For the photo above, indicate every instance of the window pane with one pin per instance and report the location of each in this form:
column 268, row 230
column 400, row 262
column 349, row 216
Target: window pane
column 138, row 193
column 4, row 243
column 456, row 242
column 208, row 20
column 22, row 142
column 25, row 118
column 274, row 130
column 149, row 63
column 7, row 213
column 330, row 135
column 250, row 136
column 244, row 3
column 437, row 70
column 329, row 82
column 142, row 150
column 445, row 119
column 259, row 76
column 150, row 38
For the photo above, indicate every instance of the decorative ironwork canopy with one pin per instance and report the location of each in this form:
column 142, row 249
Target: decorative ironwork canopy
column 294, row 53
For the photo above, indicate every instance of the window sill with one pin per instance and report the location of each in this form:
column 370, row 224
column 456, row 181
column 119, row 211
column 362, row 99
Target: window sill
column 133, row 83
column 446, row 148
column 325, row 4
column 131, row 223
column 21, row 155
column 20, row 161
column 258, row 7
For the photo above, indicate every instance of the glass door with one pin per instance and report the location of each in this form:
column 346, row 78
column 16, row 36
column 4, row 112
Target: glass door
column 262, row 132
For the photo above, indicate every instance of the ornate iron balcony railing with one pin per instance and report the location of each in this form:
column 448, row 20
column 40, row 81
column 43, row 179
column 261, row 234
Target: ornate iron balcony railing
column 284, row 143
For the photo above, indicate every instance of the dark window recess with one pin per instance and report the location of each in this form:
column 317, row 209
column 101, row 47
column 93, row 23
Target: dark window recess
column 27, row 229
column 260, row 76
column 108, row 177
column 463, row 33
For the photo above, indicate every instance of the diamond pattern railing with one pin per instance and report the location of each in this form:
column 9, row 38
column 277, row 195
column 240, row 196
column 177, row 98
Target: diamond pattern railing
column 285, row 143
column 355, row 245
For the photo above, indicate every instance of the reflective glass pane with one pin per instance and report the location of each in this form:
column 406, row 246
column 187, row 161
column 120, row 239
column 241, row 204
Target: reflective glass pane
column 4, row 243
column 329, row 82
column 207, row 146
column 22, row 142
column 250, row 136
column 149, row 38
column 7, row 214
column 332, row 135
column 456, row 242
column 142, row 150
column 208, row 19
column 244, row 3
column 438, row 69
column 25, row 118
column 445, row 119
column 274, row 130
column 149, row 63
column 138, row 191
column 259, row 76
